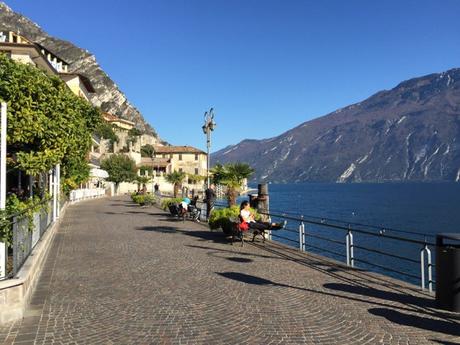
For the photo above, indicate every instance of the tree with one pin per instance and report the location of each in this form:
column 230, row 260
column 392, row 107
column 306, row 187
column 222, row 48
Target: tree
column 106, row 131
column 47, row 123
column 120, row 168
column 133, row 135
column 142, row 181
column 175, row 178
column 147, row 151
column 194, row 179
column 232, row 176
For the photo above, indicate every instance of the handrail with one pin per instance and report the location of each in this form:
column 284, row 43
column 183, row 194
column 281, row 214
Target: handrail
column 14, row 215
column 357, row 224
column 350, row 246
column 349, row 228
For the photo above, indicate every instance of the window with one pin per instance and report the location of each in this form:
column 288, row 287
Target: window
column 164, row 156
column 180, row 156
column 196, row 156
column 180, row 169
column 196, row 171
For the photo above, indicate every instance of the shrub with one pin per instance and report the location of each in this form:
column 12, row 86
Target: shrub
column 166, row 202
column 143, row 199
column 222, row 218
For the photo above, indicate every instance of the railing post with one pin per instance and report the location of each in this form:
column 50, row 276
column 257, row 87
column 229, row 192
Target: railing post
column 3, row 258
column 3, row 124
column 54, row 195
column 350, row 252
column 422, row 268
column 430, row 272
column 303, row 236
column 15, row 246
column 429, row 266
column 58, row 189
column 300, row 236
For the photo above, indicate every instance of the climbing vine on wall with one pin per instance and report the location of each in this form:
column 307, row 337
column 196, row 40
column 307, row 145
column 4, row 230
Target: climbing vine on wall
column 47, row 123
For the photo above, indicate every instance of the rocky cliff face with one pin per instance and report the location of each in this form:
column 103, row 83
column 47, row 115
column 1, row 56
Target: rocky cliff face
column 409, row 133
column 108, row 96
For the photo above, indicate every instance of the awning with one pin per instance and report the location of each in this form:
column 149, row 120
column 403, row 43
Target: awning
column 96, row 172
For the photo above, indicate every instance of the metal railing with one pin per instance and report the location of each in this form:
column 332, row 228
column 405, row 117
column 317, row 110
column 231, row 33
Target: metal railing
column 349, row 239
column 310, row 228
column 86, row 193
column 25, row 230
column 344, row 240
column 26, row 234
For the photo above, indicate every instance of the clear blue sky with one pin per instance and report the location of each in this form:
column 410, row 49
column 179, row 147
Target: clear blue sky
column 265, row 66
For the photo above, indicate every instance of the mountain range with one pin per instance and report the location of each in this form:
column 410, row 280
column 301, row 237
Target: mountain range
column 408, row 133
column 107, row 96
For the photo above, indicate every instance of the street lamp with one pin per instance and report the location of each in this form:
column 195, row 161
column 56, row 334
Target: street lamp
column 207, row 128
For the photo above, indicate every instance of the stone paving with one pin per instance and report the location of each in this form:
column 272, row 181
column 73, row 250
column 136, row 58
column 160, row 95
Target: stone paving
column 121, row 274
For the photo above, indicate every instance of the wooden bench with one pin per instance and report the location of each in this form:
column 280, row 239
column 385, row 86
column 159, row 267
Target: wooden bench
column 192, row 212
column 238, row 232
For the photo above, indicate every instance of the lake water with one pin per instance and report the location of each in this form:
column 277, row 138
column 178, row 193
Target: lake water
column 424, row 208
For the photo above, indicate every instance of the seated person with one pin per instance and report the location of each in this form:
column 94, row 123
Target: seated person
column 183, row 206
column 248, row 217
column 193, row 210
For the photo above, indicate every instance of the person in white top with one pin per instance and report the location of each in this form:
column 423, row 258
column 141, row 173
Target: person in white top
column 247, row 216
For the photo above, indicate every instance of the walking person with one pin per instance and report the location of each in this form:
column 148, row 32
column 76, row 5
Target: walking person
column 210, row 198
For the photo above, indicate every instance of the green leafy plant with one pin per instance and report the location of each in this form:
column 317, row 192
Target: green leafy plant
column 165, row 203
column 194, row 179
column 146, row 169
column 141, row 182
column 47, row 123
column 175, row 178
column 222, row 218
column 106, row 131
column 143, row 199
column 19, row 210
column 147, row 150
column 133, row 135
column 232, row 176
column 121, row 168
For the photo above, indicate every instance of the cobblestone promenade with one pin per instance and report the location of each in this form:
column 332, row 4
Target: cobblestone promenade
column 121, row 274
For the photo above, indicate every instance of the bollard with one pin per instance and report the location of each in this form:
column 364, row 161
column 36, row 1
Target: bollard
column 263, row 201
column 448, row 271
column 253, row 200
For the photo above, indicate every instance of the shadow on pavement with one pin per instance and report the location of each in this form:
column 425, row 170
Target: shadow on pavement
column 444, row 342
column 218, row 250
column 216, row 237
column 162, row 229
column 381, row 294
column 237, row 259
column 254, row 280
column 433, row 325
column 351, row 275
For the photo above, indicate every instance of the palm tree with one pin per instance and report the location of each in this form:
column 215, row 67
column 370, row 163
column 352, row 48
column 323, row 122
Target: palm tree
column 141, row 181
column 232, row 176
column 194, row 179
column 175, row 178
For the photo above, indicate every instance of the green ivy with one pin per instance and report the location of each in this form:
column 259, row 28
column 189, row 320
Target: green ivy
column 47, row 123
column 16, row 209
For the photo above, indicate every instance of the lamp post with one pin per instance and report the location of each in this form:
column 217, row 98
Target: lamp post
column 208, row 127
